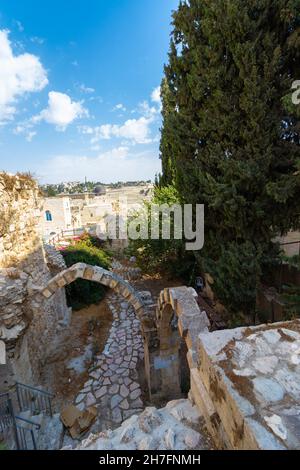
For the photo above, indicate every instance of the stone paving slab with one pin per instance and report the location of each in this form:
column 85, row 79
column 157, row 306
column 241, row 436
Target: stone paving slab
column 113, row 384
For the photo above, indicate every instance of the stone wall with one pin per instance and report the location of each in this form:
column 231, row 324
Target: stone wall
column 25, row 327
column 247, row 385
column 245, row 382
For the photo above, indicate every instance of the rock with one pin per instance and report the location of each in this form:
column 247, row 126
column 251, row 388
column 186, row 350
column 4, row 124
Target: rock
column 133, row 386
column 137, row 403
column 115, row 401
column 242, row 352
column 244, row 372
column 272, row 336
column 290, row 381
column 124, row 405
column 124, row 391
column 269, row 390
column 114, row 389
column 148, row 443
column 265, row 365
column 183, row 410
column 101, row 392
column 78, row 421
column 90, row 399
column 135, row 394
column 170, row 439
column 293, row 335
column 295, row 359
column 191, row 439
column 80, row 398
column 266, row 440
column 116, row 415
column 69, row 415
column 275, row 423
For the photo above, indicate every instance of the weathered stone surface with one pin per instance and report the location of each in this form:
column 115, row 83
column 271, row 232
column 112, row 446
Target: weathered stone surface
column 252, row 375
column 28, row 320
column 152, row 430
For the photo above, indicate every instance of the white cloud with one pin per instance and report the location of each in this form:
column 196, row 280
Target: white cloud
column 26, row 130
column 119, row 107
column 136, row 131
column 85, row 89
column 18, row 75
column 61, row 111
column 20, row 26
column 115, row 165
column 30, row 135
column 155, row 95
column 37, row 40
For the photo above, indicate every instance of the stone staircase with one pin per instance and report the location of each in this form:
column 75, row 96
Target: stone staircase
column 47, row 431
column 27, row 421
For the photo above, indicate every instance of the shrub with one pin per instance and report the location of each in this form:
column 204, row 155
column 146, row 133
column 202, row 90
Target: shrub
column 82, row 293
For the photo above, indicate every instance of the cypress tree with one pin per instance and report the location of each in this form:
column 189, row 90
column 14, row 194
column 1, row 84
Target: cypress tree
column 230, row 135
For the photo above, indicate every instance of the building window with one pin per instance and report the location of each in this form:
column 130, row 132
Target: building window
column 48, row 216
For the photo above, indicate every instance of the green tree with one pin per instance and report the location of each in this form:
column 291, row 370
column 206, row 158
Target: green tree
column 167, row 256
column 230, row 137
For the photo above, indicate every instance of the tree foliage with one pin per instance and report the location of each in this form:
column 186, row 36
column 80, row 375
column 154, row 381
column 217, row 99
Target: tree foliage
column 230, row 136
column 167, row 256
column 82, row 293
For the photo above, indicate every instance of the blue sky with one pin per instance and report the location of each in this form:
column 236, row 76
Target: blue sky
column 79, row 87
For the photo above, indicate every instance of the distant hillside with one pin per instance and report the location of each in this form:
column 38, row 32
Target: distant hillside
column 51, row 190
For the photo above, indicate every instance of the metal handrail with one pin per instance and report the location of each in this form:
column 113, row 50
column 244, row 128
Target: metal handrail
column 33, row 399
column 21, row 431
column 28, row 421
column 44, row 392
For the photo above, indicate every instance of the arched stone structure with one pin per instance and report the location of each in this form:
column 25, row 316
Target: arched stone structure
column 178, row 318
column 109, row 279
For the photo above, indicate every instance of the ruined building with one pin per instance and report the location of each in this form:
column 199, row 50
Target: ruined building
column 26, row 328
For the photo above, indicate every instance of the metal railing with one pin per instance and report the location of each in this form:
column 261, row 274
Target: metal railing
column 34, row 399
column 6, row 412
column 24, row 430
column 25, row 436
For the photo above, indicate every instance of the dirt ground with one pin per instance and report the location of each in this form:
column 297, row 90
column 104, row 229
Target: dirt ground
column 67, row 365
column 155, row 284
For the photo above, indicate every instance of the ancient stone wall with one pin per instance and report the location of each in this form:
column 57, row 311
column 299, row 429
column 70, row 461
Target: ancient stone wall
column 25, row 328
column 245, row 382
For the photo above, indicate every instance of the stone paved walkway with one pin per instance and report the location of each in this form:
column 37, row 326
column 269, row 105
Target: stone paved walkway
column 113, row 384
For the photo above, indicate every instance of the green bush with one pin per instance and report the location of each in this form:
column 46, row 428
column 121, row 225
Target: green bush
column 82, row 293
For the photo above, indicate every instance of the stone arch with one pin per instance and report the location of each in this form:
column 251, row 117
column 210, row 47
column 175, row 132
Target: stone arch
column 112, row 280
column 179, row 320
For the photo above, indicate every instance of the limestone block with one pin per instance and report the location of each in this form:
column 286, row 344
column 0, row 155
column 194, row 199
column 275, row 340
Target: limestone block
column 61, row 281
column 79, row 268
column 47, row 293
column 88, row 273
column 97, row 275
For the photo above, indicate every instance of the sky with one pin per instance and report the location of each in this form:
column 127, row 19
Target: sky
column 79, row 87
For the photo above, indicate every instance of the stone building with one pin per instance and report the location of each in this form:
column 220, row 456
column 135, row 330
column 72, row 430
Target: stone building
column 26, row 329
column 56, row 216
column 86, row 210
